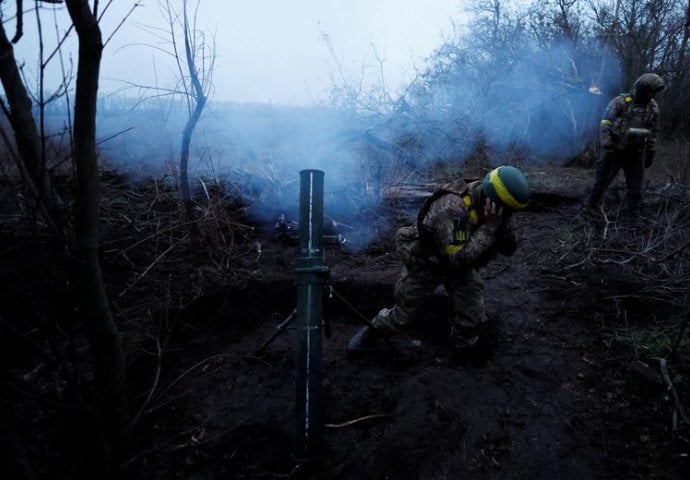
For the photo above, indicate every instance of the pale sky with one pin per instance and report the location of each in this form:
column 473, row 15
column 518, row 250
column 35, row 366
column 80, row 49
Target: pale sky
column 271, row 50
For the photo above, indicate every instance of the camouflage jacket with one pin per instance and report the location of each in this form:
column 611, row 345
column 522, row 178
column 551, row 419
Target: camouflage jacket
column 629, row 125
column 455, row 237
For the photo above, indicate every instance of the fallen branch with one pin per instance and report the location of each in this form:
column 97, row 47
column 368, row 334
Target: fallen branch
column 279, row 329
column 580, row 263
column 154, row 386
column 357, row 420
column 675, row 252
column 678, row 407
column 192, row 368
column 153, row 235
column 146, row 270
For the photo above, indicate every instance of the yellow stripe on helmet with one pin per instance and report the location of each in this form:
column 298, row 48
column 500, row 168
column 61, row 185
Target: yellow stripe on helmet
column 503, row 192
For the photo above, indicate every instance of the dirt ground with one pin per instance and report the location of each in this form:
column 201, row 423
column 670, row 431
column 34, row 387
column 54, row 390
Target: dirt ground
column 552, row 399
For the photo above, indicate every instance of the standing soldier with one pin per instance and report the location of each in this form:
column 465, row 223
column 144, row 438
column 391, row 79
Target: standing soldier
column 457, row 232
column 627, row 137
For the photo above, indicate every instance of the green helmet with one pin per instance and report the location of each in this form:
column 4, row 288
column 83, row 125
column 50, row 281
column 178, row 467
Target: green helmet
column 648, row 83
column 508, row 187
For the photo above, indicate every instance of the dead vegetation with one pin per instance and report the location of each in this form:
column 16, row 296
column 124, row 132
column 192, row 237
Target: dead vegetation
column 639, row 268
column 650, row 250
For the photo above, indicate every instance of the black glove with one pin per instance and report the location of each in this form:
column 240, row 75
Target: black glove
column 649, row 159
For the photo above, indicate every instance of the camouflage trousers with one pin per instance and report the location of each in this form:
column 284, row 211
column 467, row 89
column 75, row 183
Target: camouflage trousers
column 418, row 281
column 608, row 165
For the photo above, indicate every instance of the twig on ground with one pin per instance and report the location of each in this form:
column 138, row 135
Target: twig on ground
column 279, row 329
column 357, row 420
column 587, row 259
column 153, row 235
column 675, row 252
column 191, row 369
column 678, row 406
column 154, row 386
column 146, row 270
column 212, row 213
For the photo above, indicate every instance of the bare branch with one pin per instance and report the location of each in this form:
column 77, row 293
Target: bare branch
column 20, row 22
column 122, row 21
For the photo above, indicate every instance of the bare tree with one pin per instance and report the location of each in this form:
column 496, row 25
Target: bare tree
column 643, row 33
column 18, row 110
column 363, row 92
column 103, row 335
column 516, row 64
column 682, row 51
column 555, row 20
column 650, row 36
column 195, row 79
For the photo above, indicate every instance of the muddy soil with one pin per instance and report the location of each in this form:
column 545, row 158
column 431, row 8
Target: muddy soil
column 550, row 399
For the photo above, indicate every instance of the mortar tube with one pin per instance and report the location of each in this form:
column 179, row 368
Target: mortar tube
column 310, row 274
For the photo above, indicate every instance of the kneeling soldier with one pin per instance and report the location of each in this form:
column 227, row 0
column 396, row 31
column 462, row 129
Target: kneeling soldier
column 457, row 232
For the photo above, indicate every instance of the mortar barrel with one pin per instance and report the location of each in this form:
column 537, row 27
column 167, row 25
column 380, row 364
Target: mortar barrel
column 310, row 273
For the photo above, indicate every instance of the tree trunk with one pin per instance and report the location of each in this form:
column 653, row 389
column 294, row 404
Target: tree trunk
column 104, row 338
column 197, row 94
column 26, row 134
column 185, row 190
column 680, row 65
column 21, row 116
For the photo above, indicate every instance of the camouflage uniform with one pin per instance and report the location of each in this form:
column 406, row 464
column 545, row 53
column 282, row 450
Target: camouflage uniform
column 450, row 255
column 628, row 137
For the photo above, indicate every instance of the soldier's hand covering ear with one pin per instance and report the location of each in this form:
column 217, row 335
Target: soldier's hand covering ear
column 649, row 158
column 492, row 213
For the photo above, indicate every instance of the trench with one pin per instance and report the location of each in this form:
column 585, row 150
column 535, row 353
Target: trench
column 421, row 417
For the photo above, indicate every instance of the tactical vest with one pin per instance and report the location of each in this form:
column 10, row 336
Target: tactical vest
column 634, row 126
column 460, row 231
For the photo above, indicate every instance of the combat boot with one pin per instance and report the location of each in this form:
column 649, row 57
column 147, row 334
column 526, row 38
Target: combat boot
column 634, row 209
column 467, row 345
column 362, row 341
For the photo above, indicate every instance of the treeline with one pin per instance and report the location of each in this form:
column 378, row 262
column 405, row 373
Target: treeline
column 557, row 51
column 536, row 76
